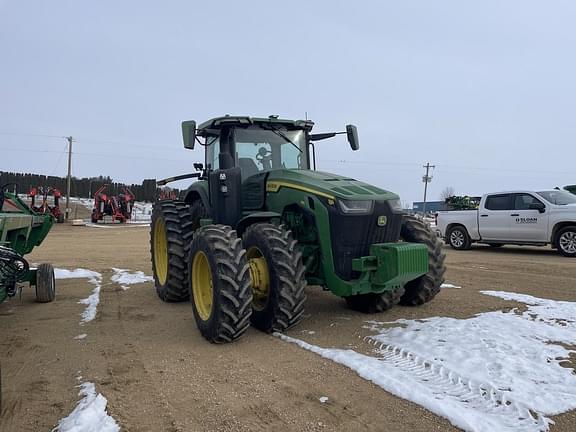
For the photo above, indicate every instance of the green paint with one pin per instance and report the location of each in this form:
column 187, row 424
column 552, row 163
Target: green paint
column 389, row 266
column 21, row 230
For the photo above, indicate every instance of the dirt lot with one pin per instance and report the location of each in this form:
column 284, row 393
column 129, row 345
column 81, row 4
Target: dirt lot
column 158, row 374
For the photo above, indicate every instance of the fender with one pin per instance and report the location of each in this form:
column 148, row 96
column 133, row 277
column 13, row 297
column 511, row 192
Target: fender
column 198, row 190
column 253, row 218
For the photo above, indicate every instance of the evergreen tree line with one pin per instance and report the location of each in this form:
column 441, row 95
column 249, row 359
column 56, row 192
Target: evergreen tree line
column 79, row 187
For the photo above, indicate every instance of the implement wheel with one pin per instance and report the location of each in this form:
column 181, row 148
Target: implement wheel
column 424, row 288
column 171, row 231
column 219, row 284
column 374, row 303
column 278, row 277
column 45, row 283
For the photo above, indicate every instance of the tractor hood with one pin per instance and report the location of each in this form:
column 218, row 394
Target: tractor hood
column 328, row 185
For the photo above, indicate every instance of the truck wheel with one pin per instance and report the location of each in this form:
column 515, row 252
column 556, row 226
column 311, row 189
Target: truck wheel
column 424, row 288
column 458, row 238
column 219, row 284
column 374, row 303
column 45, row 283
column 566, row 242
column 278, row 277
column 170, row 236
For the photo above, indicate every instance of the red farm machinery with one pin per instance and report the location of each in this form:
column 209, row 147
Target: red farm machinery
column 111, row 208
column 45, row 207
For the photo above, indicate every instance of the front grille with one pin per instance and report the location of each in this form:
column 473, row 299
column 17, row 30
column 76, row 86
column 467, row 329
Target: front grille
column 352, row 235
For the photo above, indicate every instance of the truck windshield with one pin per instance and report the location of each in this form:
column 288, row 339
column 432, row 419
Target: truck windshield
column 260, row 149
column 558, row 197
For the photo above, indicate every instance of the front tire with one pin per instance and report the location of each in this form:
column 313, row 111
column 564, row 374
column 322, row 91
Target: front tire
column 219, row 284
column 278, row 277
column 45, row 284
column 374, row 303
column 566, row 242
column 458, row 238
column 170, row 235
column 424, row 288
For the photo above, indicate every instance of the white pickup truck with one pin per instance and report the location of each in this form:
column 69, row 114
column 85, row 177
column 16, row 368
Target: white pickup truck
column 518, row 217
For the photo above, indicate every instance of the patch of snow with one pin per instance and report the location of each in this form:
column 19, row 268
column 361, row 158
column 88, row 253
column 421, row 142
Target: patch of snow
column 124, row 277
column 81, row 336
column 93, row 225
column 93, row 299
column 89, row 415
column 323, row 399
column 494, row 371
column 449, row 285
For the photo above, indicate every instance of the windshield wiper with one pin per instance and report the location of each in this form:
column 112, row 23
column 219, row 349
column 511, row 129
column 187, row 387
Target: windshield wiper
column 284, row 137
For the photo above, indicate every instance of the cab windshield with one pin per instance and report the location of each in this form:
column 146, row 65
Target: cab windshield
column 558, row 197
column 259, row 150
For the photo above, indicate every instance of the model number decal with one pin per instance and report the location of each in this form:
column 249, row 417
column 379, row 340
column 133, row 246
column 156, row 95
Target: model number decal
column 528, row 220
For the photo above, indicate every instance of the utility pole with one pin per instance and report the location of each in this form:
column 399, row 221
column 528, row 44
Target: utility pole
column 426, row 179
column 70, row 140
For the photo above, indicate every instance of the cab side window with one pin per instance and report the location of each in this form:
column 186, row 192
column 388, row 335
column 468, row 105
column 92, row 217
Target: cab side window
column 499, row 202
column 523, row 201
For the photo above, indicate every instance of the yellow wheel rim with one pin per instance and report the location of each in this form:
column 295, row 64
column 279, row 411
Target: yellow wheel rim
column 260, row 278
column 202, row 290
column 160, row 251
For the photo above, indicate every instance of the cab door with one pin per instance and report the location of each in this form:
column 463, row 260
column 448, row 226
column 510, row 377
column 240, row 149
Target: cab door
column 494, row 217
column 528, row 225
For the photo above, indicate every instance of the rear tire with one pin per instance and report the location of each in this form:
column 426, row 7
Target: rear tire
column 170, row 235
column 458, row 238
column 374, row 303
column 566, row 241
column 424, row 288
column 45, row 283
column 280, row 304
column 219, row 284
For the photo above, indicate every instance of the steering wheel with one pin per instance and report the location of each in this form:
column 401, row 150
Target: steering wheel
column 262, row 154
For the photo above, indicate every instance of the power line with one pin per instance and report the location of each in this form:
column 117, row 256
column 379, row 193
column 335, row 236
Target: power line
column 28, row 150
column 59, row 160
column 31, row 135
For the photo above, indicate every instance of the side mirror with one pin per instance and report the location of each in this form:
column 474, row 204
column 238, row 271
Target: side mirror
column 538, row 206
column 352, row 134
column 189, row 133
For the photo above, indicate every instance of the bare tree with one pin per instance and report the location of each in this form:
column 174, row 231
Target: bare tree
column 448, row 192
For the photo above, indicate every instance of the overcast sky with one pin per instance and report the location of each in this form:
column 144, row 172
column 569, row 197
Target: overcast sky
column 484, row 90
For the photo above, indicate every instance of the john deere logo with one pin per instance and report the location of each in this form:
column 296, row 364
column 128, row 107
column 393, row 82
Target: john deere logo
column 382, row 220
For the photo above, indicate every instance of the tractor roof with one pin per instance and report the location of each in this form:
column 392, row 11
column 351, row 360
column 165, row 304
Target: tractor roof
column 219, row 122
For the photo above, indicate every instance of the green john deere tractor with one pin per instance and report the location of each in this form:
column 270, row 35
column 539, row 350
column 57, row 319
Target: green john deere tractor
column 261, row 224
column 21, row 229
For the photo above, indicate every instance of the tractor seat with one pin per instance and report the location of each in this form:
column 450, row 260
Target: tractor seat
column 248, row 167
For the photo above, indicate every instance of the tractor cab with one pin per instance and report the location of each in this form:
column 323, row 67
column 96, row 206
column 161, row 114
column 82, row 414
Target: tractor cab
column 255, row 145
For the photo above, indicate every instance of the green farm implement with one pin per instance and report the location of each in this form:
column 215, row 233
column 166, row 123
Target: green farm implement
column 261, row 224
column 21, row 229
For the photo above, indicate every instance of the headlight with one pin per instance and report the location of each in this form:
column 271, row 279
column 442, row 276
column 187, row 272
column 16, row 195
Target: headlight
column 356, row 207
column 395, row 204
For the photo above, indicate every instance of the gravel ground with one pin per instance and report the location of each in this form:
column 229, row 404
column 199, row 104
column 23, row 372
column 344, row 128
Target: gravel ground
column 158, row 374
